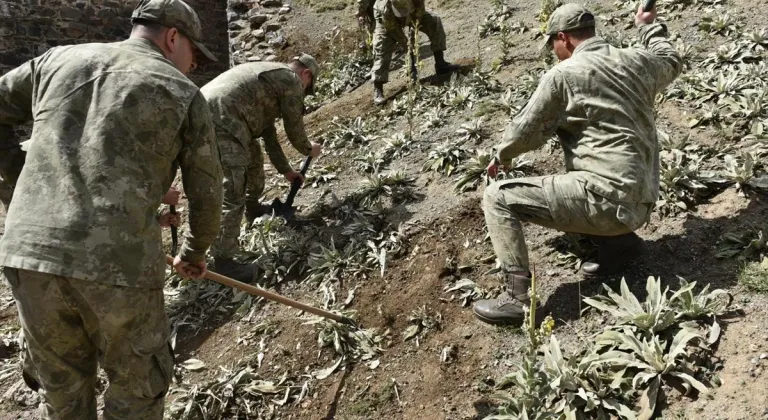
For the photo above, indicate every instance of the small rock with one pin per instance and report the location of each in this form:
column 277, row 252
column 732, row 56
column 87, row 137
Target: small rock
column 467, row 336
column 284, row 10
column 236, row 25
column 271, row 58
column 272, row 26
column 263, row 45
column 277, row 42
column 758, row 371
column 282, row 18
column 254, row 58
column 259, row 34
column 257, row 20
column 271, row 3
column 755, row 361
column 764, row 356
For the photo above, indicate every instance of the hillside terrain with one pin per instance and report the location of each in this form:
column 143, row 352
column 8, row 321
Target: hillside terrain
column 390, row 231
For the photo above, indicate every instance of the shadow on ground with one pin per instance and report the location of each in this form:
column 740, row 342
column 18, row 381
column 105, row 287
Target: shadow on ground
column 690, row 255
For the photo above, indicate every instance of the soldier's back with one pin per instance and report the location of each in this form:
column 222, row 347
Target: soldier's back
column 107, row 119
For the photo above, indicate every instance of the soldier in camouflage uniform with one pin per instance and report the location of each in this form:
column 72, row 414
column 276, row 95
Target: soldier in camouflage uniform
column 599, row 101
column 82, row 248
column 391, row 16
column 245, row 102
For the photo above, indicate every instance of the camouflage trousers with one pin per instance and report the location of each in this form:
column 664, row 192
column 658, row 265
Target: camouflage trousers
column 243, row 183
column 71, row 326
column 560, row 202
column 384, row 43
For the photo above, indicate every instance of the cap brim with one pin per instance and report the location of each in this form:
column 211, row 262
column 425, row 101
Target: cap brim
column 545, row 44
column 206, row 53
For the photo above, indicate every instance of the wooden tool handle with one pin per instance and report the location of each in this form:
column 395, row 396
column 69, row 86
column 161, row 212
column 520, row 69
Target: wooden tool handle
column 218, row 278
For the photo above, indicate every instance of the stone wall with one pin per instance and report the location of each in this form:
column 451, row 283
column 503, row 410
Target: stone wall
column 28, row 28
column 255, row 30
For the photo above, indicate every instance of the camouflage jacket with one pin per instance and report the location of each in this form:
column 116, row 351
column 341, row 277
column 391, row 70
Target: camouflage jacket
column 382, row 10
column 600, row 103
column 112, row 123
column 246, row 100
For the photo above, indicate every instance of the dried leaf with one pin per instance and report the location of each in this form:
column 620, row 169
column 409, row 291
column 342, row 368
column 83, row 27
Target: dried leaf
column 324, row 373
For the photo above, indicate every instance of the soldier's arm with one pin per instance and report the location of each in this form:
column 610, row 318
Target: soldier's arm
column 537, row 121
column 15, row 109
column 667, row 63
column 292, row 111
column 202, row 177
column 274, row 151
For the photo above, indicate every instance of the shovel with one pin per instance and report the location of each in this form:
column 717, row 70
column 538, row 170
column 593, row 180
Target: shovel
column 274, row 297
column 286, row 210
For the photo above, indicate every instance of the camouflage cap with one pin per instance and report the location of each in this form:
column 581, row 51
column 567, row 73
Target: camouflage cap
column 568, row 17
column 402, row 8
column 309, row 62
column 174, row 14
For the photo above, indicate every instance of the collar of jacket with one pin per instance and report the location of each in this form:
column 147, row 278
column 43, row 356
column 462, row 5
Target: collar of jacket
column 591, row 44
column 143, row 45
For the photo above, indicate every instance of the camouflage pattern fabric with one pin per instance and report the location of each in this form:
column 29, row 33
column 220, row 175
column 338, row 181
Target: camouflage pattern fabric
column 389, row 32
column 112, row 122
column 87, row 323
column 246, row 101
column 560, row 202
column 600, row 104
column 243, row 182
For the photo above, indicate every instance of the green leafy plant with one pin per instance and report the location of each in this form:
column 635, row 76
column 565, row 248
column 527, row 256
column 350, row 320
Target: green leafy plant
column 652, row 316
column 744, row 245
column 445, row 158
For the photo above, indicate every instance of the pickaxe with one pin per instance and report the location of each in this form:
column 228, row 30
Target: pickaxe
column 286, row 210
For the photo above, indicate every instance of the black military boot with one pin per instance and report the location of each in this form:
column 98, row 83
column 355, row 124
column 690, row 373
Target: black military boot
column 378, row 93
column 233, row 269
column 613, row 253
column 508, row 307
column 442, row 66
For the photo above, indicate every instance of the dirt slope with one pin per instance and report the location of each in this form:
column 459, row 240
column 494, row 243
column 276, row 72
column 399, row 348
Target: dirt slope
column 445, row 241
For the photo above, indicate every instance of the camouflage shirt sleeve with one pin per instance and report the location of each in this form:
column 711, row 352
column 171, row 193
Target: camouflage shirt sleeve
column 668, row 63
column 202, row 177
column 15, row 103
column 274, row 151
column 537, row 121
column 292, row 111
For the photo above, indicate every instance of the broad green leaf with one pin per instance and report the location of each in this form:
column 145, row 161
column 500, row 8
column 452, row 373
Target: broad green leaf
column 691, row 380
column 411, row 332
column 648, row 400
column 679, row 343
